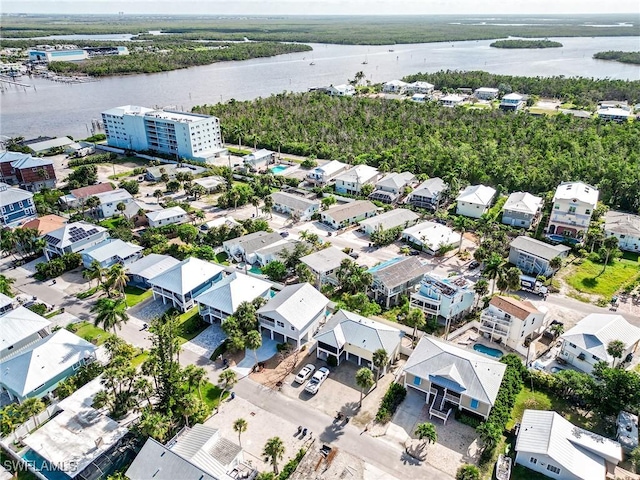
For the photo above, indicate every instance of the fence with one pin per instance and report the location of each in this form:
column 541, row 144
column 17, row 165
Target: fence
column 31, row 424
column 467, row 326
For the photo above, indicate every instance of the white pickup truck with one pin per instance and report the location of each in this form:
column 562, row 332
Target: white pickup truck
column 530, row 284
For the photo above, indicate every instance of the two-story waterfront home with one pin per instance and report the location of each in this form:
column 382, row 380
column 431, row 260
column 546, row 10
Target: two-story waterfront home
column 444, row 298
column 573, row 206
column 625, row 227
column 73, row 238
column 110, row 252
column 322, row 175
column 342, row 216
column 534, row 257
column 475, row 200
column 396, row 277
column 428, row 194
column 16, row 206
column 451, row 378
column 324, row 264
column 522, row 210
column 511, row 321
column 31, row 173
column 353, row 180
column 512, row 101
column 181, row 284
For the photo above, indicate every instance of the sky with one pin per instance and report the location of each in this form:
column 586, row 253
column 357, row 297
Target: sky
column 322, row 7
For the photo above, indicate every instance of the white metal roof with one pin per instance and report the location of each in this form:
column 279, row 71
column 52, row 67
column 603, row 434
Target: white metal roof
column 186, row 275
column 152, row 265
column 594, row 332
column 48, row 144
column 31, row 162
column 537, row 248
column 112, row 247
column 578, row 191
column 350, row 210
column 430, row 188
column 513, row 96
column 165, row 214
column 360, row 174
column 298, row 304
column 292, row 201
column 523, row 202
column 622, row 223
column 9, row 195
column 72, row 233
column 477, row 195
column 398, row 217
column 487, row 90
column 330, row 168
column 43, row 361
column 581, row 452
column 227, row 294
column 617, row 112
column 396, row 180
column 325, row 260
column 18, row 324
column 350, row 328
column 432, row 234
column 452, row 98
column 117, row 195
column 477, row 376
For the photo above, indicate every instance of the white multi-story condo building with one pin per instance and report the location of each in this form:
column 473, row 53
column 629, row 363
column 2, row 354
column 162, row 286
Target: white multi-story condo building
column 573, row 206
column 185, row 135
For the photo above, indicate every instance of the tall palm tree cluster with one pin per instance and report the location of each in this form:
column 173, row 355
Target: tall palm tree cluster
column 22, row 243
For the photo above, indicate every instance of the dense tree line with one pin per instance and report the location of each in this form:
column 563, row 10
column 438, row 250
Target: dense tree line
column 511, row 152
column 525, row 44
column 619, row 56
column 173, row 59
column 579, row 90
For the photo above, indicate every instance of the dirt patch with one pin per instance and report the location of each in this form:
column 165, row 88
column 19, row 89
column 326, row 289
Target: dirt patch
column 274, row 371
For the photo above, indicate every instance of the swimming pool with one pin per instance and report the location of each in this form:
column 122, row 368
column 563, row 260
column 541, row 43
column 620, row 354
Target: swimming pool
column 492, row 352
column 561, row 238
column 42, row 466
column 278, row 169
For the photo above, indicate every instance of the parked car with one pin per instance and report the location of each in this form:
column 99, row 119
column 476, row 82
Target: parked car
column 305, row 373
column 414, row 252
column 284, row 234
column 473, row 265
column 318, row 379
column 354, row 255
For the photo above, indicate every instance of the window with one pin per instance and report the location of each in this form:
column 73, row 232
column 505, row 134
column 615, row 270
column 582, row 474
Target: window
column 556, row 207
column 533, row 460
column 572, row 209
column 587, row 211
column 595, row 358
column 474, row 403
column 553, row 469
column 280, row 324
column 572, row 345
column 293, row 328
column 417, row 380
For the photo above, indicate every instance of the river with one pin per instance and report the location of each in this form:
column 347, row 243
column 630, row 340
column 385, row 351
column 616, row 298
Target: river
column 68, row 109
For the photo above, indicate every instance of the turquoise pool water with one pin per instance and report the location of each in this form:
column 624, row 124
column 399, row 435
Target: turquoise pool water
column 492, row 352
column 279, row 169
column 255, row 270
column 43, row 467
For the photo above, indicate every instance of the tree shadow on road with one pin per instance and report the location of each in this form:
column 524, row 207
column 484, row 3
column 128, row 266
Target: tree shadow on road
column 332, row 432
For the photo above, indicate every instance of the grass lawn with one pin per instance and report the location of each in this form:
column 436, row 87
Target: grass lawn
column 139, row 359
column 589, row 277
column 528, row 399
column 135, row 295
column 211, row 394
column 91, row 333
column 191, row 325
column 222, row 258
column 518, row 472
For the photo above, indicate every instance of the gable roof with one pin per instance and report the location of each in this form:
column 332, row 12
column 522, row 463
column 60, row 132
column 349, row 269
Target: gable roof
column 516, row 308
column 432, row 234
column 9, row 194
column 396, row 180
column 254, row 241
column 359, row 174
column 186, row 275
column 325, row 260
column 31, row 162
column 112, row 247
column 298, row 304
column 478, row 376
column 119, row 194
column 46, row 223
column 523, row 202
column 399, row 270
column 398, row 217
column 577, row 190
column 227, row 294
column 430, row 188
column 330, row 168
column 165, row 214
column 350, row 328
column 18, row 324
column 538, row 248
column 350, row 210
column 622, row 223
column 48, row 144
column 7, row 156
column 44, row 360
column 477, row 195
column 158, row 462
column 72, row 233
column 594, row 332
column 295, row 202
column 151, row 265
column 581, row 452
column 91, row 190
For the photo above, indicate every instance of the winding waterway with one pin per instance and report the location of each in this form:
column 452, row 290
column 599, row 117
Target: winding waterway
column 68, row 109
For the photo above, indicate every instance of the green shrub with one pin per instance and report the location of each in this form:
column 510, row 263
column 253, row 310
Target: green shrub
column 465, row 419
column 91, row 159
column 468, row 472
column 39, row 308
column 291, row 465
column 332, row 361
column 390, row 402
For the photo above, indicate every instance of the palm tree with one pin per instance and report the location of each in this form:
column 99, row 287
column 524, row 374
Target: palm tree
column 199, row 215
column 195, row 377
column 93, row 203
column 555, row 263
column 255, row 201
column 118, row 278
column 415, row 318
column 5, row 285
column 240, row 426
column 380, row 360
column 492, row 268
column 557, row 329
column 365, row 380
column 304, row 273
column 227, row 379
column 616, row 349
column 512, row 278
column 610, row 244
column 268, row 205
column 110, row 313
column 95, row 271
column 461, row 224
column 481, row 288
column 427, row 433
column 253, row 341
column 273, row 452
column 158, row 194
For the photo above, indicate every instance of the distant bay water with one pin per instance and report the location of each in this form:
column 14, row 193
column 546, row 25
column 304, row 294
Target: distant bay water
column 68, row 109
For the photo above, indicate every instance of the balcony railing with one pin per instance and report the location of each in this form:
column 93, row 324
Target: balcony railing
column 570, row 218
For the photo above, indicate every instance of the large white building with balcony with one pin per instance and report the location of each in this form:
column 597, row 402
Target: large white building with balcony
column 573, row 206
column 511, row 321
column 446, row 298
column 185, row 135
